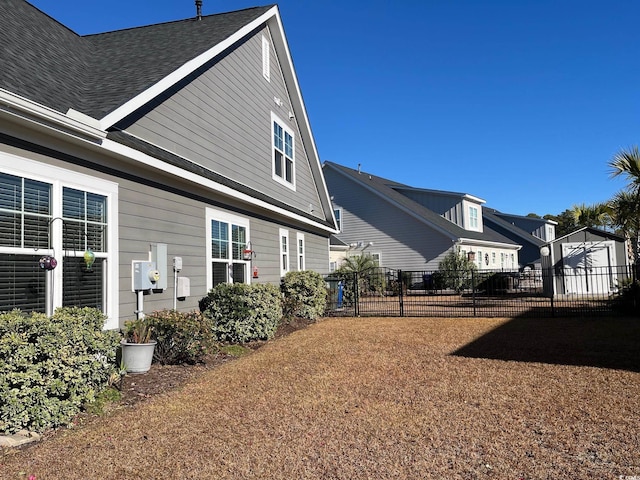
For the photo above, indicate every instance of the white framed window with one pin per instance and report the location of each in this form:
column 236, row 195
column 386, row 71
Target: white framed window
column 551, row 233
column 284, row 251
column 479, row 259
column 47, row 211
column 337, row 212
column 227, row 236
column 266, row 59
column 283, row 147
column 300, row 251
column 473, row 218
column 493, row 258
column 377, row 257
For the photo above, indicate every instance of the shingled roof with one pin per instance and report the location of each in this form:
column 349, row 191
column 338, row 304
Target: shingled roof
column 48, row 63
column 388, row 189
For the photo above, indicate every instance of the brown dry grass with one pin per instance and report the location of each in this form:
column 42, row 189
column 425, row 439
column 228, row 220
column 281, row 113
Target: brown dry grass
column 370, row 398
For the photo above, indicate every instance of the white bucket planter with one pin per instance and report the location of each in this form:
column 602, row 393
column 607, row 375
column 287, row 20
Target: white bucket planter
column 137, row 357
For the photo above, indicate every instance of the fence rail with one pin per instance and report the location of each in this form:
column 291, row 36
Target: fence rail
column 577, row 291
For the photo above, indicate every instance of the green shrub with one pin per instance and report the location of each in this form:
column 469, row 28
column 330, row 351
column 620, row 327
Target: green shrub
column 455, row 271
column 51, row 367
column 241, row 313
column 305, row 294
column 181, row 337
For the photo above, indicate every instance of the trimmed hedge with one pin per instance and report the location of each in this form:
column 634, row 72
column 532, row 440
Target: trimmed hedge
column 181, row 337
column 305, row 294
column 51, row 367
column 241, row 313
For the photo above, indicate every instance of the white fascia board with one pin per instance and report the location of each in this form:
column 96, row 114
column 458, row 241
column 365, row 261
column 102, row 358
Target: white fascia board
column 72, row 123
column 144, row 159
column 192, row 65
column 485, row 243
column 282, row 48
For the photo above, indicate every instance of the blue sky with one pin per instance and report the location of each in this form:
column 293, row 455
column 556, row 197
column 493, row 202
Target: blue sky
column 520, row 103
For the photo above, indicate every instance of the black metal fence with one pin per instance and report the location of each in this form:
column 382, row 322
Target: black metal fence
column 583, row 291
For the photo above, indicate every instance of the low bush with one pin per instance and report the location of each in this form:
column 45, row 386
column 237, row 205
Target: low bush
column 305, row 294
column 51, row 367
column 181, row 337
column 241, row 313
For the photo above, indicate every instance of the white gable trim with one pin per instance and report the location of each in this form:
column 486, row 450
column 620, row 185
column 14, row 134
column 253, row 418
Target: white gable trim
column 132, row 154
column 182, row 72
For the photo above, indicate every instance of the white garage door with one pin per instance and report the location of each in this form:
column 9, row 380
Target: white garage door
column 587, row 267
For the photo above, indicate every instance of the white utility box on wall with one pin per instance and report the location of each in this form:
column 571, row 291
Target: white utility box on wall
column 184, row 287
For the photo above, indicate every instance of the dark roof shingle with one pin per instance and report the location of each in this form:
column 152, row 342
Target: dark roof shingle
column 48, row 63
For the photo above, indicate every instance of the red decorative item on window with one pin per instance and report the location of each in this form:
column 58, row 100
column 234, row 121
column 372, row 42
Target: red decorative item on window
column 48, row 262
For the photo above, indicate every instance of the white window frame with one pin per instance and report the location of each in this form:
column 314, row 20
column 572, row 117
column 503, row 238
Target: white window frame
column 59, row 178
column 284, row 250
column 230, row 219
column 266, row 58
column 474, row 222
column 377, row 257
column 300, row 251
column 338, row 213
column 282, row 179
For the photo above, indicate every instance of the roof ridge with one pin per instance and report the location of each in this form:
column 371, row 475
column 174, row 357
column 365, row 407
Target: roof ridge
column 168, row 22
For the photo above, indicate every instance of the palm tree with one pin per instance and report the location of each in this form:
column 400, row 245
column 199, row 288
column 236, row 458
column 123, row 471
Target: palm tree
column 596, row 215
column 627, row 164
column 625, row 204
column 358, row 264
column 626, row 216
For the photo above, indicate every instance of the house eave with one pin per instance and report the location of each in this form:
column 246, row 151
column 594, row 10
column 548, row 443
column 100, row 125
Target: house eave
column 128, row 153
column 470, row 241
column 33, row 115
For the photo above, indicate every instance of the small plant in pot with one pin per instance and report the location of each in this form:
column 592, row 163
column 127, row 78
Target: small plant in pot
column 138, row 346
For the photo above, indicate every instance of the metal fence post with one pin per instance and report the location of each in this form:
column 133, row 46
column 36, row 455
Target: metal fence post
column 400, row 294
column 473, row 291
column 356, row 294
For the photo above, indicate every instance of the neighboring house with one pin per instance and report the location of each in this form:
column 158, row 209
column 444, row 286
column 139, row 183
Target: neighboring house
column 184, row 143
column 588, row 261
column 410, row 228
column 531, row 233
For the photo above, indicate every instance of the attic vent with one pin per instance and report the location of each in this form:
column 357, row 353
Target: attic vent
column 199, row 9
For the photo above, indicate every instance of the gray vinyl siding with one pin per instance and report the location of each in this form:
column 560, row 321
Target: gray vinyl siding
column 222, row 121
column 176, row 216
column 449, row 206
column 403, row 241
column 534, row 226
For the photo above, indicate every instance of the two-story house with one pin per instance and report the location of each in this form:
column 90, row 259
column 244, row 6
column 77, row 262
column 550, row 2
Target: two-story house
column 410, row 228
column 532, row 233
column 141, row 167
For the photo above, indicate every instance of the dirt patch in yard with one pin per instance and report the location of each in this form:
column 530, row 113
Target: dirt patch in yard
column 351, row 398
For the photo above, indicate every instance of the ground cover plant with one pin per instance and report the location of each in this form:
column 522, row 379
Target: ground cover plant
column 380, row 398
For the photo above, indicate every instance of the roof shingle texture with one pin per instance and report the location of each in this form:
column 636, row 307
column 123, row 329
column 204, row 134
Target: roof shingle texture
column 389, row 189
column 48, row 63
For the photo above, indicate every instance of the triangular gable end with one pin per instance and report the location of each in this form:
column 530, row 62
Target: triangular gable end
column 271, row 19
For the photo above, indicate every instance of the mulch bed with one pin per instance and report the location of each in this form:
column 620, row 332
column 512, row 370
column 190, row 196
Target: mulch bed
column 164, row 378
